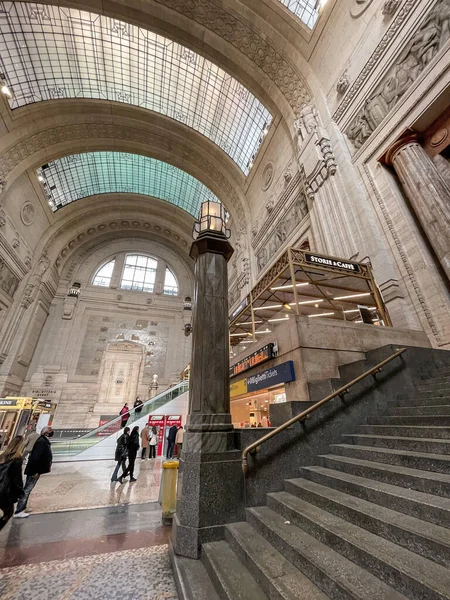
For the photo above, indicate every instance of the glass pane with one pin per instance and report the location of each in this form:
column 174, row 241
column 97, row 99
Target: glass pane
column 170, row 283
column 103, row 275
column 81, row 175
column 58, row 52
column 142, row 261
column 306, row 10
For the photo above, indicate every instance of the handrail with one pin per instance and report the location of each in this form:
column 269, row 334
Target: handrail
column 303, row 415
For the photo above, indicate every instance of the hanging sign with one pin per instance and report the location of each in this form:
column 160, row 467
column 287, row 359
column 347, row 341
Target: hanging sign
column 260, row 356
column 275, row 375
column 239, row 388
column 334, row 263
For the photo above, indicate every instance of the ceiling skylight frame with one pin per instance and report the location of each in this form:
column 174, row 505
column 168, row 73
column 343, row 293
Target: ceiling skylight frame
column 306, row 10
column 49, row 52
column 78, row 176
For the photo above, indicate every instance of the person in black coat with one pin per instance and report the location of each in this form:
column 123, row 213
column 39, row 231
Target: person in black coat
column 171, row 437
column 39, row 463
column 121, row 454
column 132, row 452
column 11, row 483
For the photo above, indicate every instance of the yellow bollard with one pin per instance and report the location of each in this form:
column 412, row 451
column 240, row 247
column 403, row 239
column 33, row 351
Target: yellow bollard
column 168, row 492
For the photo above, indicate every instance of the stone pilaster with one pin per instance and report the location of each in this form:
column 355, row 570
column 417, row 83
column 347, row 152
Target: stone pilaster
column 427, row 192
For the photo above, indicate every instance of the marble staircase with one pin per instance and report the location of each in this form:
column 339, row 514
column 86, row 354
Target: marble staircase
column 369, row 521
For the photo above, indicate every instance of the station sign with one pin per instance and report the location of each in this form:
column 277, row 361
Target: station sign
column 239, row 309
column 260, row 356
column 283, row 373
column 334, row 263
column 238, row 388
column 16, row 402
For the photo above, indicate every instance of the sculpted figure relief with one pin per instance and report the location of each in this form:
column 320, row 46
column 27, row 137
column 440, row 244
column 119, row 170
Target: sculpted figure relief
column 418, row 53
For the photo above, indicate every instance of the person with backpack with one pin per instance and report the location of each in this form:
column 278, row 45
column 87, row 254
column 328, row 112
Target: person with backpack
column 121, row 454
column 11, row 482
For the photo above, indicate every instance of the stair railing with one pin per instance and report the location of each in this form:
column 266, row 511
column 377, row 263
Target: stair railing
column 306, row 413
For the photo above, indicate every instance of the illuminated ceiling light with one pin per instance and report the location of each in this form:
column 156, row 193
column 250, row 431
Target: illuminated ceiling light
column 248, row 323
column 308, row 302
column 286, row 305
column 4, row 87
column 286, row 287
column 286, row 318
column 356, row 310
column 264, row 331
column 352, row 296
column 41, row 178
column 270, row 307
column 239, row 334
column 327, row 314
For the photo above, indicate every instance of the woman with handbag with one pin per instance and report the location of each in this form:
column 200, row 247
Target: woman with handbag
column 133, row 448
column 11, row 482
column 121, row 454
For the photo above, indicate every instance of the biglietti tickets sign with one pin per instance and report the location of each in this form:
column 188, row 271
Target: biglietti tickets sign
column 283, row 373
column 334, row 263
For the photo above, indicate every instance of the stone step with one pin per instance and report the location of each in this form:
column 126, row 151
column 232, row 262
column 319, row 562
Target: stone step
column 433, row 446
column 437, row 379
column 428, row 507
column 411, row 411
column 422, row 481
column 427, row 386
column 424, row 538
column 231, row 579
column 423, row 420
column 417, row 401
column 432, row 393
column 278, row 578
column 410, row 574
column 337, row 576
column 406, row 431
column 191, row 579
column 438, row 463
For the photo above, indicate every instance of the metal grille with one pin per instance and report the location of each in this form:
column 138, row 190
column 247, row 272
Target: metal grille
column 80, row 175
column 49, row 52
column 306, row 10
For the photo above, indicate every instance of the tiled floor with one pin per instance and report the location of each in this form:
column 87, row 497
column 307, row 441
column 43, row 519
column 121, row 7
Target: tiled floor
column 142, row 574
column 87, row 485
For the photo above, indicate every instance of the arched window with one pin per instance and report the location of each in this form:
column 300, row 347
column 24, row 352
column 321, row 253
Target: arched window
column 139, row 273
column 104, row 274
column 170, row 283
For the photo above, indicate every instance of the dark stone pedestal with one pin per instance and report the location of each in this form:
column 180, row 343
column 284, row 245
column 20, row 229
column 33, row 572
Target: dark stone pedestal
column 210, row 494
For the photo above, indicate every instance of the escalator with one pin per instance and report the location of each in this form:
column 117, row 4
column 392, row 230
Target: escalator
column 100, row 443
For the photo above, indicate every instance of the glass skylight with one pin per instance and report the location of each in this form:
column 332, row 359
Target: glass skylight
column 306, row 10
column 80, row 175
column 104, row 274
column 49, row 52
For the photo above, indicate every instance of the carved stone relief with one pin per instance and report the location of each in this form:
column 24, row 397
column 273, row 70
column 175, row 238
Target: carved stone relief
column 280, row 233
column 27, row 213
column 359, row 7
column 390, row 6
column 8, row 281
column 418, row 53
column 343, row 83
column 267, row 177
column 32, row 287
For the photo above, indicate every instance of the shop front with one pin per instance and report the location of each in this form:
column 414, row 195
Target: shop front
column 252, row 396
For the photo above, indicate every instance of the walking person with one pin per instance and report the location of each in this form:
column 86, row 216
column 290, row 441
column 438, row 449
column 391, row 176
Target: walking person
column 153, row 441
column 138, row 404
column 11, row 482
column 145, row 441
column 179, row 440
column 121, row 453
column 133, row 448
column 125, row 414
column 39, row 463
column 30, row 440
column 171, row 441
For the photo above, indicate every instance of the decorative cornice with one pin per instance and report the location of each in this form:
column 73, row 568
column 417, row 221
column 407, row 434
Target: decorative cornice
column 252, row 44
column 374, row 60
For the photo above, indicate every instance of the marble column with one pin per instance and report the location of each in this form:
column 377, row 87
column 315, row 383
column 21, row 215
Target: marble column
column 427, row 192
column 210, row 485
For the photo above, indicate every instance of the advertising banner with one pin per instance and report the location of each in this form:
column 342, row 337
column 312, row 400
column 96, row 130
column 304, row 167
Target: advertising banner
column 109, row 429
column 159, row 422
column 275, row 375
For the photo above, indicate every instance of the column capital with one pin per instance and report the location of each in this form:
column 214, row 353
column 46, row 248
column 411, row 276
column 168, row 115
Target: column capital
column 208, row 242
column 408, row 138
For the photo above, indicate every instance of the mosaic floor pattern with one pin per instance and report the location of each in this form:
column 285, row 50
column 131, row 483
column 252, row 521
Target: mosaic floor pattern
column 142, row 574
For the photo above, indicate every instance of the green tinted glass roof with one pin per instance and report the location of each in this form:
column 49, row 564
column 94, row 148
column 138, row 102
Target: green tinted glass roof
column 80, row 175
column 51, row 52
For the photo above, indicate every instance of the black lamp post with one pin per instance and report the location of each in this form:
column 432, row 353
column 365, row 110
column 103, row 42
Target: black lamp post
column 210, row 486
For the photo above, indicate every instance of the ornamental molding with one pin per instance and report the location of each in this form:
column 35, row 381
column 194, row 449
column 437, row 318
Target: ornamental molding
column 80, row 131
column 375, row 58
column 253, row 45
column 359, row 7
